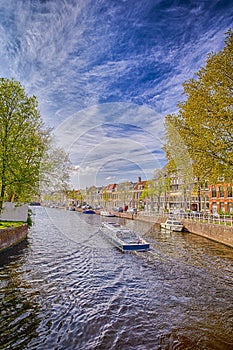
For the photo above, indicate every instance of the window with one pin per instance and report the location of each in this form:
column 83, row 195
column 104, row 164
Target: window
column 222, row 207
column 213, row 192
column 229, row 191
column 214, row 208
column 221, row 191
column 230, row 207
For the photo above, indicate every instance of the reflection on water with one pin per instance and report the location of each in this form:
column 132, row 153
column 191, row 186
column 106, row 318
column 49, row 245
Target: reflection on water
column 68, row 288
column 19, row 310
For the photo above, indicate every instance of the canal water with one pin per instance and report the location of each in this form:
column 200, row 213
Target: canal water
column 66, row 287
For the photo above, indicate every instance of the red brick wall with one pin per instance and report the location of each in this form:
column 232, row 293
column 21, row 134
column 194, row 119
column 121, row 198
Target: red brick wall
column 220, row 201
column 12, row 235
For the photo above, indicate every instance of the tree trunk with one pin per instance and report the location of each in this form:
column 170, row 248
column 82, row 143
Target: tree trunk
column 2, row 195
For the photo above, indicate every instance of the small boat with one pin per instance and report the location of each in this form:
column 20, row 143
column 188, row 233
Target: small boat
column 172, row 224
column 71, row 209
column 88, row 211
column 124, row 239
column 106, row 213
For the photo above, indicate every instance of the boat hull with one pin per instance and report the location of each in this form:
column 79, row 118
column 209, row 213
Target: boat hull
column 107, row 214
column 111, row 235
column 172, row 228
column 136, row 247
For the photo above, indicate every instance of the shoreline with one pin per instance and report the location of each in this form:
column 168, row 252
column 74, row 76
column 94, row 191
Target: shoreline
column 12, row 235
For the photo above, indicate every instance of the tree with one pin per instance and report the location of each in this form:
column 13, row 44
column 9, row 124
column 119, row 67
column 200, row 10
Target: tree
column 54, row 170
column 105, row 197
column 124, row 190
column 204, row 122
column 91, row 195
column 156, row 187
column 23, row 141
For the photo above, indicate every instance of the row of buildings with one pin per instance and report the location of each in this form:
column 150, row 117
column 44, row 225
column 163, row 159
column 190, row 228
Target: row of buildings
column 162, row 195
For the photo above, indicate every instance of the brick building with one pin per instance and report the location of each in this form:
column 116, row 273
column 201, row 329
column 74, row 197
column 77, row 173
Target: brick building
column 220, row 198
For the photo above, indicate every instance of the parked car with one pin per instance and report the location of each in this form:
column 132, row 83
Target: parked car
column 195, row 213
column 97, row 207
column 86, row 206
column 178, row 211
column 118, row 209
column 132, row 210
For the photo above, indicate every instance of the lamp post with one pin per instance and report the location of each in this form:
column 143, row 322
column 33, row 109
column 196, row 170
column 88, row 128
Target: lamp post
column 165, row 192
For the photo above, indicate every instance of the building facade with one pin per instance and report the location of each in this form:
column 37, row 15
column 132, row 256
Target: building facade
column 169, row 195
column 220, row 198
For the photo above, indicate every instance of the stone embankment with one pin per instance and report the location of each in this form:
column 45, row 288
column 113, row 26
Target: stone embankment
column 216, row 232
column 12, row 235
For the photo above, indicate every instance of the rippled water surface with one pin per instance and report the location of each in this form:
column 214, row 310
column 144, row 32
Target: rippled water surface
column 66, row 287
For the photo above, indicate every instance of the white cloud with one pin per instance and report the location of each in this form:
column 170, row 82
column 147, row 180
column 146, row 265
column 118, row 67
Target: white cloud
column 97, row 63
column 104, row 134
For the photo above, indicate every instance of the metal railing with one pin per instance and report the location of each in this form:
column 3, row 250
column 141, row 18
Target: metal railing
column 208, row 218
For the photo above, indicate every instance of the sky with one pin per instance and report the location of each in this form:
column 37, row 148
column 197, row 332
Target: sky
column 107, row 72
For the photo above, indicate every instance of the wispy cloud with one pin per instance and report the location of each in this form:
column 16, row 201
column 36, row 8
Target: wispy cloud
column 96, row 65
column 110, row 133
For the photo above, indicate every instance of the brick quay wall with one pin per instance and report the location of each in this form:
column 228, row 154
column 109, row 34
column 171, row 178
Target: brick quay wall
column 12, row 235
column 216, row 232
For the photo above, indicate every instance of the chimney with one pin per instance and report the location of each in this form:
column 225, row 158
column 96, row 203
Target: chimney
column 139, row 179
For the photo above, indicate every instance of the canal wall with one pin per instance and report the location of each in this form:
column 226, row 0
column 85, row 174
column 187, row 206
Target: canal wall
column 132, row 216
column 12, row 235
column 216, row 232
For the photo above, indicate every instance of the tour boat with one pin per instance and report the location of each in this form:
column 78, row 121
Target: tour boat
column 172, row 224
column 124, row 239
column 106, row 213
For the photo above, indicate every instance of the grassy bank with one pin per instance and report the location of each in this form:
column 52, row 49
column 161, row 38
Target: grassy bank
column 6, row 224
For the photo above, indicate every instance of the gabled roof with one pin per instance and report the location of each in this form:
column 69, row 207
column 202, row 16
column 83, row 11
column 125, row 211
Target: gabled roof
column 110, row 187
column 139, row 185
column 77, row 191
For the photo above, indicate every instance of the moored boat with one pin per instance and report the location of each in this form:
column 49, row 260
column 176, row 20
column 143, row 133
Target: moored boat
column 106, row 213
column 124, row 239
column 88, row 211
column 172, row 224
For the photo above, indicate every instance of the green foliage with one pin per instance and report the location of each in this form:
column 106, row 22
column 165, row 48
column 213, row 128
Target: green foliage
column 23, row 141
column 200, row 136
column 6, row 224
column 29, row 219
column 105, row 196
column 156, row 187
column 29, row 163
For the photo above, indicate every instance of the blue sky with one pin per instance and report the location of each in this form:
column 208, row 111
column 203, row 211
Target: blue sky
column 107, row 72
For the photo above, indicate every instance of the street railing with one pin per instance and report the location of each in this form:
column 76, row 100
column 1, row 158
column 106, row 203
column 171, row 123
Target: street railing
column 208, row 218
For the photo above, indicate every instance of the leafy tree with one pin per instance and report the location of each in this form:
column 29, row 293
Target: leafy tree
column 54, row 171
column 202, row 129
column 73, row 195
column 105, row 197
column 157, row 187
column 124, row 190
column 23, row 141
column 91, row 194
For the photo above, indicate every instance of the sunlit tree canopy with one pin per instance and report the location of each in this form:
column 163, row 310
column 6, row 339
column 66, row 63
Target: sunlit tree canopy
column 204, row 122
